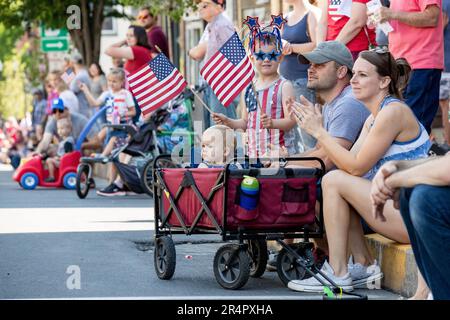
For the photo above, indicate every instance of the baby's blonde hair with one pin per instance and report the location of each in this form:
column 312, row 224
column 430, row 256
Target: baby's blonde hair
column 229, row 139
column 117, row 72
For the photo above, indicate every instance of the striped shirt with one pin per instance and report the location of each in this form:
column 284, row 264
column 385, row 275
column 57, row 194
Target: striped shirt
column 259, row 138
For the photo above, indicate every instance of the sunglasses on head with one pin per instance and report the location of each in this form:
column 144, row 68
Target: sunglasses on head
column 380, row 50
column 261, row 55
column 57, row 110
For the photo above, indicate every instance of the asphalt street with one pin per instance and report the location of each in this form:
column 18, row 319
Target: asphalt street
column 56, row 246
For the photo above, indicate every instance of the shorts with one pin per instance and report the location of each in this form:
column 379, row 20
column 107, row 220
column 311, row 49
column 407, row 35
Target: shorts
column 121, row 137
column 444, row 89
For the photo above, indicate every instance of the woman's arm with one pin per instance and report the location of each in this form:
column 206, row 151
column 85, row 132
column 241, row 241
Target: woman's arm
column 116, row 50
column 385, row 130
column 353, row 26
column 322, row 26
column 308, row 46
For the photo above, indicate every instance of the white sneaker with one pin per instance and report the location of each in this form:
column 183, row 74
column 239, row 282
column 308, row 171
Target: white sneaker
column 365, row 276
column 313, row 285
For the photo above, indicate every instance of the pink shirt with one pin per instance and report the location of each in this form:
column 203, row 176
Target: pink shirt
column 423, row 48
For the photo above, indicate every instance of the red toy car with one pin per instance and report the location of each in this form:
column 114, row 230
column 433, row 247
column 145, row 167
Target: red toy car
column 32, row 173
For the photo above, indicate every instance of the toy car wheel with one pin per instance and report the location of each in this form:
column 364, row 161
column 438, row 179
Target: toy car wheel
column 29, row 181
column 257, row 250
column 231, row 266
column 164, row 257
column 83, row 183
column 287, row 266
column 70, row 180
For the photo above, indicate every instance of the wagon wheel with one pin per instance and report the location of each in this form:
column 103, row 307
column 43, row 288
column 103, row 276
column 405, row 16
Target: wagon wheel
column 288, row 268
column 231, row 266
column 83, row 182
column 257, row 250
column 164, row 257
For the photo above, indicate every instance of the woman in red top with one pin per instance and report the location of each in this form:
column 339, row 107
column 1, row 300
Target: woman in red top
column 345, row 21
column 135, row 49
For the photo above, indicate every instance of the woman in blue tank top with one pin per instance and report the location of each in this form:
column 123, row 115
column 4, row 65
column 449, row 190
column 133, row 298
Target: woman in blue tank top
column 299, row 36
column 390, row 132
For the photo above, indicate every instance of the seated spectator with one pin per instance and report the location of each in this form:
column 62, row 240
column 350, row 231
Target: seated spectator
column 59, row 111
column 218, row 146
column 66, row 144
column 343, row 115
column 390, row 132
column 425, row 208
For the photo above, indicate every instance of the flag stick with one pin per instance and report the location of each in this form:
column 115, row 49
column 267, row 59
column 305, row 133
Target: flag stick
column 257, row 98
column 201, row 100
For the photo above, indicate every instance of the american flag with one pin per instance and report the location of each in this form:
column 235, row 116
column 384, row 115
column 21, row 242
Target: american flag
column 338, row 9
column 228, row 71
column 156, row 83
column 68, row 76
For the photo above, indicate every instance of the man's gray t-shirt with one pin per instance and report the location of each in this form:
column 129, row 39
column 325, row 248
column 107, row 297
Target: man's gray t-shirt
column 83, row 104
column 344, row 117
column 78, row 123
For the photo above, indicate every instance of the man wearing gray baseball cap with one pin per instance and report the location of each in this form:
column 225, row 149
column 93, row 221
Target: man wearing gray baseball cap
column 329, row 51
column 343, row 116
column 329, row 75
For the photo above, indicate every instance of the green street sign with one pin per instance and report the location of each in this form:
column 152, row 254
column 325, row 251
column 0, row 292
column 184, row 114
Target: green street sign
column 53, row 33
column 55, row 44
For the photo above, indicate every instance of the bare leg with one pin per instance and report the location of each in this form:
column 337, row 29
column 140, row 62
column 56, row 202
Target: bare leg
column 109, row 147
column 51, row 164
column 422, row 288
column 341, row 191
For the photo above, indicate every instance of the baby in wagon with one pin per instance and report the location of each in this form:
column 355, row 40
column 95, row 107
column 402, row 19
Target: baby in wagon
column 218, row 147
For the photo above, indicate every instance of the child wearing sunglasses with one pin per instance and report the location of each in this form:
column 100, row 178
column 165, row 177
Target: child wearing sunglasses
column 266, row 117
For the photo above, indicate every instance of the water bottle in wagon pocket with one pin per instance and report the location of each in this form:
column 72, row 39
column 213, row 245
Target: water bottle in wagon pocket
column 249, row 191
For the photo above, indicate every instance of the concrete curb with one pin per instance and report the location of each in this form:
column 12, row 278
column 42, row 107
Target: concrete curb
column 397, row 264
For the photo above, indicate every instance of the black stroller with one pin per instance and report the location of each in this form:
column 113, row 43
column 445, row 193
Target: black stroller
column 142, row 147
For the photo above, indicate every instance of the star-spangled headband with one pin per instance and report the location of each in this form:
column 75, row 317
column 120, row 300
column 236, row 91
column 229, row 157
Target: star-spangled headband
column 261, row 34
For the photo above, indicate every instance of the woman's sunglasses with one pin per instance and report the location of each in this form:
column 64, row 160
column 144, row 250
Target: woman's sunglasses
column 57, row 110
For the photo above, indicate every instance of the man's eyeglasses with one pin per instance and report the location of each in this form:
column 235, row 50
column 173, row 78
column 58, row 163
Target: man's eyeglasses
column 57, row 110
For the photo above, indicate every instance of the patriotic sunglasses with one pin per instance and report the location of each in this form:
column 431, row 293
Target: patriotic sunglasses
column 261, row 55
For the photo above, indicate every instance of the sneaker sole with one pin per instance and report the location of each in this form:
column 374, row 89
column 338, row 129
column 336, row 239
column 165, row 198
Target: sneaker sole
column 362, row 284
column 315, row 289
column 116, row 194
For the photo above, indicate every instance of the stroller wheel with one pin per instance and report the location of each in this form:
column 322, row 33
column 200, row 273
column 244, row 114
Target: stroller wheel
column 231, row 266
column 147, row 177
column 83, row 182
column 164, row 257
column 288, row 268
column 257, row 250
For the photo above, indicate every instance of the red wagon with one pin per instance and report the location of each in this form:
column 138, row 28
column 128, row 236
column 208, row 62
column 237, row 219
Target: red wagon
column 199, row 201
